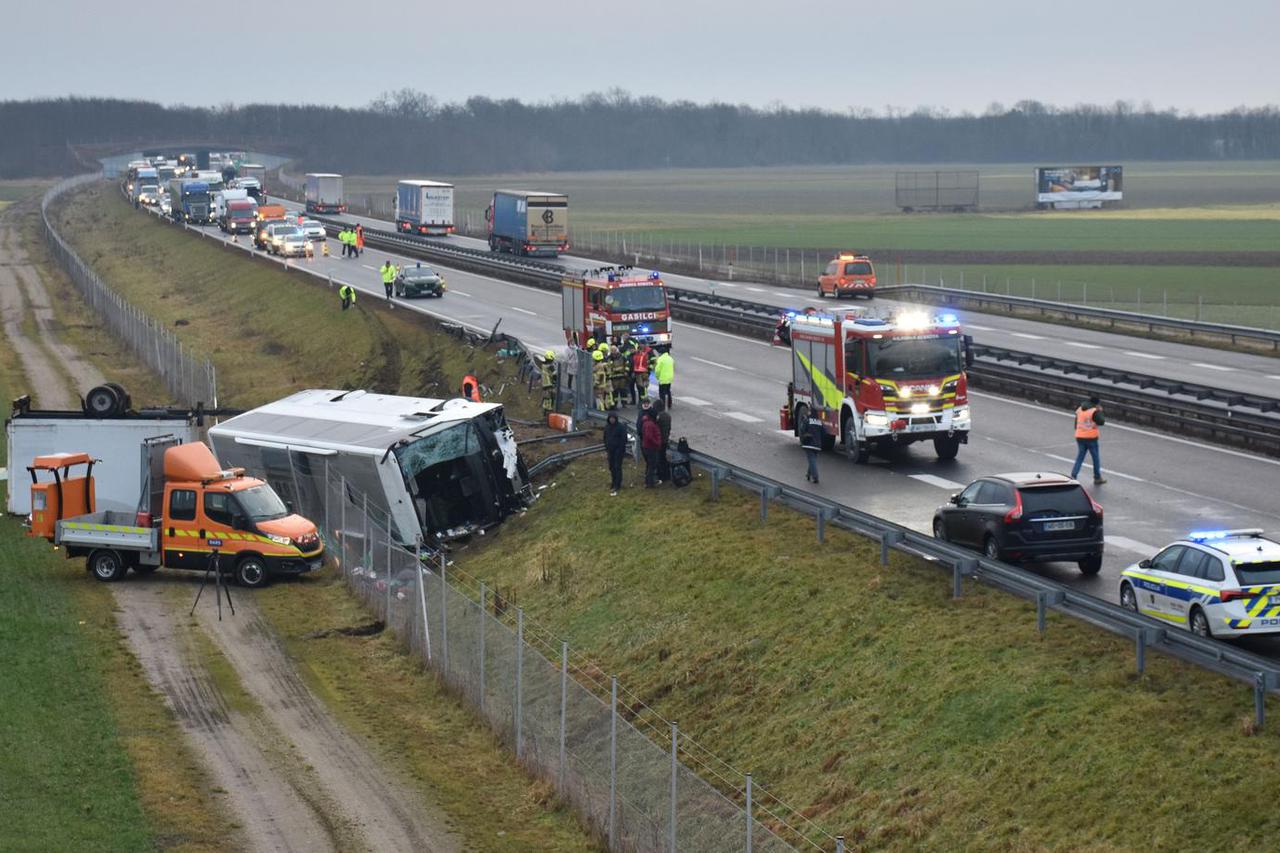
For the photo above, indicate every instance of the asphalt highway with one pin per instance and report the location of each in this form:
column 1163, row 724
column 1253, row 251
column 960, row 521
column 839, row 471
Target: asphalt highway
column 1255, row 374
column 728, row 390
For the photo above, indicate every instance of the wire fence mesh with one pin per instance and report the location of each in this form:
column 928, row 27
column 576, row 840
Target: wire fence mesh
column 190, row 378
column 636, row 784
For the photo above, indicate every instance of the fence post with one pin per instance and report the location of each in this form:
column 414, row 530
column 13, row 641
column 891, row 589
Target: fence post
column 519, row 680
column 888, row 539
column 422, row 597
column 715, row 484
column 342, row 532
column 444, row 616
column 564, row 702
column 749, row 811
column 1141, row 641
column 839, row 844
column 366, row 554
column 675, row 764
column 483, row 597
column 1260, row 699
column 1040, row 611
column 613, row 762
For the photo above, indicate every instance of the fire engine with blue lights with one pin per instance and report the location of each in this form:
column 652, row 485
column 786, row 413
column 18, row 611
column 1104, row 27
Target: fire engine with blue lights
column 608, row 302
column 878, row 382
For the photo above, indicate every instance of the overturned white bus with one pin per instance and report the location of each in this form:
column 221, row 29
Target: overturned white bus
column 442, row 468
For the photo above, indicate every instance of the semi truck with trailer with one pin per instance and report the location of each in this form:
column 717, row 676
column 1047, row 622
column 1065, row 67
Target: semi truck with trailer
column 613, row 301
column 188, row 507
column 878, row 383
column 324, row 193
column 424, row 207
column 190, row 201
column 528, row 222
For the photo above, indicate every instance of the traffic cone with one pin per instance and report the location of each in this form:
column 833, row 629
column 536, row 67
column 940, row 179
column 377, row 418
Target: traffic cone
column 325, row 244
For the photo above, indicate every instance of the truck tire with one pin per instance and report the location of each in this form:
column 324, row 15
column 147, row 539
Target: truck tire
column 251, row 572
column 854, row 449
column 106, row 565
column 801, row 415
column 102, row 402
column 946, row 446
column 493, row 244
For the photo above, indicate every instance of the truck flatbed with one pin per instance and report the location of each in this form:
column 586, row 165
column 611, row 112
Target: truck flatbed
column 109, row 529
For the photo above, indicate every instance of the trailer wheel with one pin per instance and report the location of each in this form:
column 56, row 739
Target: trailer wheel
column 107, row 565
column 251, row 572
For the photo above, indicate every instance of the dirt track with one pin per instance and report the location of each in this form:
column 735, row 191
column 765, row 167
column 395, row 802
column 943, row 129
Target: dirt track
column 293, row 778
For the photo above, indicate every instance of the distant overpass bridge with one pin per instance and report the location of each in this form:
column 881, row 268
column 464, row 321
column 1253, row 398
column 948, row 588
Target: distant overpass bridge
column 114, row 157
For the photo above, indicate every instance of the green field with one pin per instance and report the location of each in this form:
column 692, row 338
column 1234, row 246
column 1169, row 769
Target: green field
column 866, row 697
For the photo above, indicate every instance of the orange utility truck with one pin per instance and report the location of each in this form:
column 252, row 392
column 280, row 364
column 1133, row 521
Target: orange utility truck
column 189, row 507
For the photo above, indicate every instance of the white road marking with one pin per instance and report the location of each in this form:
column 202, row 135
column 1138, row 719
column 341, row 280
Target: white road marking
column 366, row 266
column 745, row 418
column 979, row 328
column 722, row 284
column 1124, row 543
column 940, row 482
column 1123, row 428
column 1082, row 345
column 459, row 292
column 1027, row 336
column 757, row 290
column 712, row 363
column 1107, row 472
column 788, row 433
column 1211, row 366
column 693, row 401
column 1144, row 355
column 1274, row 377
column 524, row 311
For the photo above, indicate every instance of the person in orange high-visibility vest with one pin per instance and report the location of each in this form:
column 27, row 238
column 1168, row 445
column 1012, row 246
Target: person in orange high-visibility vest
column 471, row 388
column 359, row 240
column 1089, row 417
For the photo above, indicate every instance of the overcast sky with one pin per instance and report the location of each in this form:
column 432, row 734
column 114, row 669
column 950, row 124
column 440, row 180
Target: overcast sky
column 824, row 53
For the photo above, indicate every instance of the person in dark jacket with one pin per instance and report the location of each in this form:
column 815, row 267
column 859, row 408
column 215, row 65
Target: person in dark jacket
column 651, row 445
column 615, row 447
column 811, row 440
column 663, row 417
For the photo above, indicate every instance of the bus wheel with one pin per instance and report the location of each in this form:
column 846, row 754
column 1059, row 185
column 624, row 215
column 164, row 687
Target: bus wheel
column 107, row 565
column 251, row 572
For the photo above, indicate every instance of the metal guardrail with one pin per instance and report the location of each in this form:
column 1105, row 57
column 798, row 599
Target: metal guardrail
column 1267, row 340
column 1147, row 633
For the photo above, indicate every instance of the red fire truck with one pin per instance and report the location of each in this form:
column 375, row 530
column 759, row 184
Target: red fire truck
column 878, row 382
column 609, row 301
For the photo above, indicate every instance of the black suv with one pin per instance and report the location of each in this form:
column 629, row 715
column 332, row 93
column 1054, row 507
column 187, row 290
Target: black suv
column 1025, row 517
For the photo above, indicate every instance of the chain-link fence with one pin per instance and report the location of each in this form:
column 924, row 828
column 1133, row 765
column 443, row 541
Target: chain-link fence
column 191, row 379
column 634, row 778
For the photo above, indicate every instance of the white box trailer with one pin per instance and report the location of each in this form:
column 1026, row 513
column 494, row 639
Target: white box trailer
column 439, row 468
column 424, row 207
column 324, row 193
column 30, row 433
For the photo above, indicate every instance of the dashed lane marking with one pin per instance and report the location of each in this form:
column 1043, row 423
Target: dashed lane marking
column 1211, row 366
column 980, row 328
column 712, row 363
column 1028, row 336
column 524, row 311
column 745, row 418
column 1151, row 356
column 1082, row 345
column 693, row 401
column 460, row 293
column 940, row 482
column 757, row 290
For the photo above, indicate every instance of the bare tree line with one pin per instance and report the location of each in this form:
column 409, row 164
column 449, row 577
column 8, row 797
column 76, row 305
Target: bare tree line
column 410, row 131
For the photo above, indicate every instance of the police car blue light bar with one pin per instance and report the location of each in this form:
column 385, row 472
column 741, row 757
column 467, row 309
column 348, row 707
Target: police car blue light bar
column 1212, row 535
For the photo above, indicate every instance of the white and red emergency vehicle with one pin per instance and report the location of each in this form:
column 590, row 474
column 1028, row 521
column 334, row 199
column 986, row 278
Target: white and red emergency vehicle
column 610, row 301
column 878, row 382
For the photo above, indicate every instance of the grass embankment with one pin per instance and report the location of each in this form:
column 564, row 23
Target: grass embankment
column 269, row 332
column 376, row 690
column 866, row 696
column 92, row 759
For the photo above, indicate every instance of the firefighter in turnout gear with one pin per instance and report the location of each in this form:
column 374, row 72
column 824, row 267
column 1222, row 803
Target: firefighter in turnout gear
column 617, row 375
column 548, row 370
column 600, row 381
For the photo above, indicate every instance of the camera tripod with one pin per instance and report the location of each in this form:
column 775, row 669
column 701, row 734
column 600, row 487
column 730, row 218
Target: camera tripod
column 221, row 588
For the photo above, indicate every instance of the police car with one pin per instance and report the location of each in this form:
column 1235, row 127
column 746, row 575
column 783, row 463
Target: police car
column 1222, row 583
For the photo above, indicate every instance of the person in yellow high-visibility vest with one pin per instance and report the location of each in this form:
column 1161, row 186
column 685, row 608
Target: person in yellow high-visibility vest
column 388, row 273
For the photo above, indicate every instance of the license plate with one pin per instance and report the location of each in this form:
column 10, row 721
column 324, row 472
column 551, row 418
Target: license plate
column 1059, row 525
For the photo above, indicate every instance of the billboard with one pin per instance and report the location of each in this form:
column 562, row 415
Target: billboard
column 1078, row 186
column 935, row 190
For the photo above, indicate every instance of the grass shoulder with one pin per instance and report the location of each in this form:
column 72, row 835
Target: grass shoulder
column 867, row 697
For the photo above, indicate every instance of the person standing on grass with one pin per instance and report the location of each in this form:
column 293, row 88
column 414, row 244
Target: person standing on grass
column 1089, row 417
column 347, row 294
column 663, row 418
column 615, row 447
column 665, row 368
column 811, row 441
column 651, row 446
